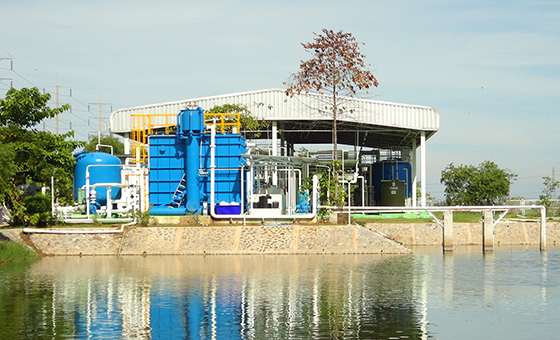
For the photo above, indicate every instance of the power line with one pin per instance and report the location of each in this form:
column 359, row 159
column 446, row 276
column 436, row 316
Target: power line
column 10, row 64
column 100, row 116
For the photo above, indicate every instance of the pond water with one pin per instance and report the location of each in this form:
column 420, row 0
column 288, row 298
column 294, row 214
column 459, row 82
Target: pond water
column 511, row 293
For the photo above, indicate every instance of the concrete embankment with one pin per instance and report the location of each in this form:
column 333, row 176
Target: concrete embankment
column 506, row 233
column 207, row 240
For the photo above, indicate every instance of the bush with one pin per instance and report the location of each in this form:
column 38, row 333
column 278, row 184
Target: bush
column 37, row 204
column 33, row 210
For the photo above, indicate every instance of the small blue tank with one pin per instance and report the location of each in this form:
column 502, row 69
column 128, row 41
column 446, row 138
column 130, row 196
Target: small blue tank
column 110, row 174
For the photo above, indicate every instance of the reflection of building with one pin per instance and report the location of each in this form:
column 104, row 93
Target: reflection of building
column 287, row 297
column 227, row 297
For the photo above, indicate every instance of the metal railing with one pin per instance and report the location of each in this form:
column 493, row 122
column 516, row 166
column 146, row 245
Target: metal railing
column 223, row 120
column 144, row 125
column 504, row 209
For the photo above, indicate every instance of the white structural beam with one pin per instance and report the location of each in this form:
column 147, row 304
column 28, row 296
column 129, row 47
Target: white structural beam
column 414, row 174
column 274, row 150
column 423, row 167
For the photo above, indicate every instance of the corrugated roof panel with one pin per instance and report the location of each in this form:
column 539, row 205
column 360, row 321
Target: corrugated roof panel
column 303, row 107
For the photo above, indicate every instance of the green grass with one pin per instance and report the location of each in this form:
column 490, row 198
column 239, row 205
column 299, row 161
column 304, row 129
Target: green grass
column 15, row 252
column 458, row 217
column 363, row 220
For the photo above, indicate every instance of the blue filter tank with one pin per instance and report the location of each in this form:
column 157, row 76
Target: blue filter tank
column 103, row 174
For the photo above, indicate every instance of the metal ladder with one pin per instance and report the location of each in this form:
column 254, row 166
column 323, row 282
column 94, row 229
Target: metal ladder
column 179, row 193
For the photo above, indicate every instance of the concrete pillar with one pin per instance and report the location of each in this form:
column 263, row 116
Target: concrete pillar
column 447, row 231
column 487, row 231
column 543, row 230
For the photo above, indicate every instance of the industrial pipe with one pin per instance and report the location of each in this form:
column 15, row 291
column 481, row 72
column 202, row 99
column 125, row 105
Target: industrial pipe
column 212, row 129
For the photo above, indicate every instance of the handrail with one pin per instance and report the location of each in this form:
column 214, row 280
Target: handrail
column 502, row 208
column 223, row 122
column 143, row 125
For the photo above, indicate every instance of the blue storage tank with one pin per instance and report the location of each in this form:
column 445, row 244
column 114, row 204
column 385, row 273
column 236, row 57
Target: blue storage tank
column 167, row 170
column 111, row 174
column 229, row 148
column 174, row 165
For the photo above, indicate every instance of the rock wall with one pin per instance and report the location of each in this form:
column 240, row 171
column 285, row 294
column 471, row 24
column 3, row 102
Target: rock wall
column 198, row 240
column 518, row 233
column 277, row 239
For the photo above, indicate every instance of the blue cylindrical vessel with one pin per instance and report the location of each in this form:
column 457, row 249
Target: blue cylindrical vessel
column 190, row 121
column 191, row 171
column 102, row 174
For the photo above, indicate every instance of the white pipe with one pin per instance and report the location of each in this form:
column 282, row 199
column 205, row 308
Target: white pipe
column 445, row 208
column 107, row 146
column 87, row 182
column 212, row 190
column 52, row 197
column 109, row 205
column 66, row 231
column 349, row 205
column 265, row 217
column 242, row 190
column 363, row 190
column 212, row 165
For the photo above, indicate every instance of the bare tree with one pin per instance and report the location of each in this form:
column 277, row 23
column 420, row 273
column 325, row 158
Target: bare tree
column 336, row 70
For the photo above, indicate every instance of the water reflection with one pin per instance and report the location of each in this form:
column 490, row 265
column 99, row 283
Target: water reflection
column 511, row 293
column 456, row 295
column 213, row 297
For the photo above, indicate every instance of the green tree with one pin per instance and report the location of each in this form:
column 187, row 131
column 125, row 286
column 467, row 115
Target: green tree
column 336, row 70
column 549, row 192
column 248, row 121
column 34, row 156
column 7, row 171
column 118, row 146
column 429, row 197
column 25, row 108
column 486, row 184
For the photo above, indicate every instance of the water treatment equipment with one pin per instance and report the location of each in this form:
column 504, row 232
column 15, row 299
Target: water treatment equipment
column 102, row 168
column 391, row 170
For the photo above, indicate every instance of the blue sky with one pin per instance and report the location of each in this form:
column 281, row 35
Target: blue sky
column 491, row 68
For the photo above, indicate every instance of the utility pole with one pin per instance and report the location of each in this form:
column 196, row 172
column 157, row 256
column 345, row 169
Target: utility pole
column 100, row 115
column 57, row 103
column 56, row 117
column 9, row 69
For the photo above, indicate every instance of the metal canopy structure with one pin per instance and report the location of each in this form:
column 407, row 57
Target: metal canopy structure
column 358, row 134
column 305, row 119
column 279, row 160
column 302, row 120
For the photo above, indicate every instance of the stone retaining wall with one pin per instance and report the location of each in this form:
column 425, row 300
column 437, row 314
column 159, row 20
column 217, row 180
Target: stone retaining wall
column 288, row 239
column 506, row 233
column 281, row 239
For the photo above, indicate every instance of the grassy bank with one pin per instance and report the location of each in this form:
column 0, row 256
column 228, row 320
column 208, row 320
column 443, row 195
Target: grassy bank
column 15, row 252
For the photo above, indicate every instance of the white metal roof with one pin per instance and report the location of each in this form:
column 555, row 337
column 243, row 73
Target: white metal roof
column 274, row 105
